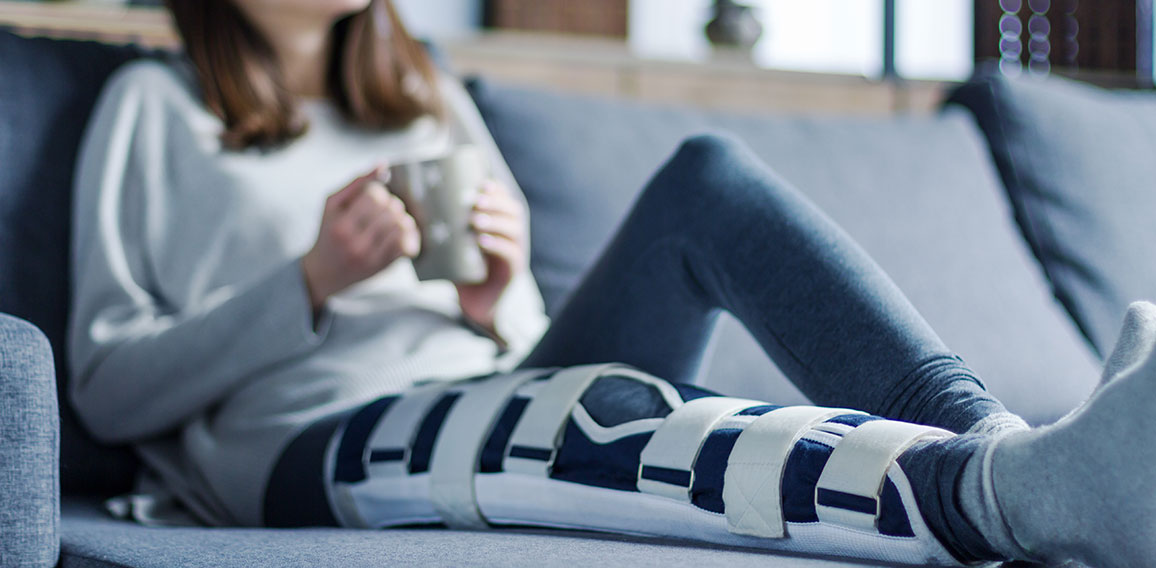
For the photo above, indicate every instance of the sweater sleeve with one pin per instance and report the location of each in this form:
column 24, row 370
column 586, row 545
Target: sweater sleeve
column 521, row 314
column 140, row 366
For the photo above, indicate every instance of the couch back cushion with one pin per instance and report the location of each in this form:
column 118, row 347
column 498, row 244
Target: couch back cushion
column 47, row 90
column 919, row 193
column 1079, row 164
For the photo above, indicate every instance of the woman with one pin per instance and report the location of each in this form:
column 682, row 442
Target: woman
column 269, row 350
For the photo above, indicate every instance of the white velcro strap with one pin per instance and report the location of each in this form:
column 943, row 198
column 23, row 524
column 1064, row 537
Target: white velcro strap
column 459, row 444
column 752, row 484
column 390, row 443
column 534, row 441
column 667, row 466
column 849, row 487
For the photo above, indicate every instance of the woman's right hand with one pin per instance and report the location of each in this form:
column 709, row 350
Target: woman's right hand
column 364, row 229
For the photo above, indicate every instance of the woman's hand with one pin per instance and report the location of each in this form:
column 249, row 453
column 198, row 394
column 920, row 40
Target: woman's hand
column 499, row 220
column 364, row 229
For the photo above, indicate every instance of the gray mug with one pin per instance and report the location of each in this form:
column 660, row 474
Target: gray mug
column 440, row 195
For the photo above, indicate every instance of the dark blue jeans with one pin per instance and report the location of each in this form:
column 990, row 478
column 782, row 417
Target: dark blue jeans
column 716, row 230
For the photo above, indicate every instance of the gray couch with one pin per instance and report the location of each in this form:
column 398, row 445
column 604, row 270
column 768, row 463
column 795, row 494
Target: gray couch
column 963, row 218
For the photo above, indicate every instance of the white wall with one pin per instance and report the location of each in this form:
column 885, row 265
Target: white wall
column 935, row 39
column 440, row 18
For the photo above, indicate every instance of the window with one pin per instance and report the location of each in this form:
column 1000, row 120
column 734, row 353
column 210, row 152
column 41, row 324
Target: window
column 933, row 37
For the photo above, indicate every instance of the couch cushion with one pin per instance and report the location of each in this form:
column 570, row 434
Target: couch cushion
column 91, row 539
column 1079, row 164
column 47, row 89
column 919, row 193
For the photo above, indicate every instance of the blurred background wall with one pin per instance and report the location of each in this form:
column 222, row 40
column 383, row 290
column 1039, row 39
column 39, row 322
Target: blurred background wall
column 857, row 56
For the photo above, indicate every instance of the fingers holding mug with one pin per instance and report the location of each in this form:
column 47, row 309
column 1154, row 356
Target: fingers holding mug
column 498, row 213
column 497, row 224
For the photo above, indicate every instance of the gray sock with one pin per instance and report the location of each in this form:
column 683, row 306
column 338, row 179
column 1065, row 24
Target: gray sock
column 1136, row 340
column 999, row 424
column 1081, row 489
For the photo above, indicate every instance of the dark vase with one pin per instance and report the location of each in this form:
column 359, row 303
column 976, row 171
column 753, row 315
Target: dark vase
column 734, row 25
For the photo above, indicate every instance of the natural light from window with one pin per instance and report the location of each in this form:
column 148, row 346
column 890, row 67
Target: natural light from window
column 933, row 37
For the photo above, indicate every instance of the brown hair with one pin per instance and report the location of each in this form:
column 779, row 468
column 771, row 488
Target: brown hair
column 378, row 74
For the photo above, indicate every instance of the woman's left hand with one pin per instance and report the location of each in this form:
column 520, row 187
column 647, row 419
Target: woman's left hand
column 499, row 220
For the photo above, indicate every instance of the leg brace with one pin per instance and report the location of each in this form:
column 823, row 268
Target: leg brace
column 606, row 447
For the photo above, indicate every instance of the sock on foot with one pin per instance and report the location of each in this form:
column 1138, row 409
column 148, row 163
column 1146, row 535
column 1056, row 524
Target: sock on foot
column 1083, row 488
column 1136, row 340
column 999, row 424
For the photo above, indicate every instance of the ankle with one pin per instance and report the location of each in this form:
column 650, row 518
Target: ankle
column 980, row 502
column 944, row 480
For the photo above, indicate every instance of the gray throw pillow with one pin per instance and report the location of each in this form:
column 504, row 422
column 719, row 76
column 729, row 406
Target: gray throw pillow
column 1079, row 164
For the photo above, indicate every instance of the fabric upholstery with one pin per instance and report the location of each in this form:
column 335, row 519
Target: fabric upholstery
column 29, row 446
column 90, row 539
column 919, row 193
column 47, row 89
column 1078, row 165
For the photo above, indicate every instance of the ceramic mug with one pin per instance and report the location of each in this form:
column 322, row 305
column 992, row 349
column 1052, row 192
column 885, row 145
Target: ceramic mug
column 440, row 194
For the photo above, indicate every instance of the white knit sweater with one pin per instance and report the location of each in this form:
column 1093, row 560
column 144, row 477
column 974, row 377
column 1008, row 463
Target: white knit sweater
column 191, row 334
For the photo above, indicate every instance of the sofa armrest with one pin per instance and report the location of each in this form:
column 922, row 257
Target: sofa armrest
column 29, row 447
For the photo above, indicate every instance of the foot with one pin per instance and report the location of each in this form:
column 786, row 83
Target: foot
column 1085, row 488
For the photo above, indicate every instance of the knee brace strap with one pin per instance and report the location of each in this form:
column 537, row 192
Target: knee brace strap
column 752, row 486
column 390, row 443
column 850, row 485
column 459, row 444
column 534, row 442
column 668, row 459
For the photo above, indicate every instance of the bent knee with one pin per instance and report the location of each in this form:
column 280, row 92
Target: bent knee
column 709, row 143
column 696, row 167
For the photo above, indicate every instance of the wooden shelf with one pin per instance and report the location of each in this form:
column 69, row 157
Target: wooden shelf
column 110, row 23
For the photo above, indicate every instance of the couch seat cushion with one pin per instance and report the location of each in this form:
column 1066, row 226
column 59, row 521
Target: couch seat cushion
column 91, row 539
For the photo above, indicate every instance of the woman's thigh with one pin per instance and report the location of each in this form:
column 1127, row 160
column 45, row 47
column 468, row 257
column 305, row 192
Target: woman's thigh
column 636, row 305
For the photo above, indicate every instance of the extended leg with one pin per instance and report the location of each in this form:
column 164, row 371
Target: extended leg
column 613, row 449
column 610, row 448
column 716, row 229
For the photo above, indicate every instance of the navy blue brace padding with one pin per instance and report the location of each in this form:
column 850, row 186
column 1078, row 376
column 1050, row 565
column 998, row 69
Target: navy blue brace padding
column 494, row 452
column 679, row 477
column 800, row 479
column 893, row 519
column 387, row 455
column 612, row 400
column 613, row 465
column 349, row 467
column 853, row 420
column 427, row 434
column 846, row 501
column 529, row 453
column 801, row 476
column 710, row 468
column 690, row 392
column 757, row 410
